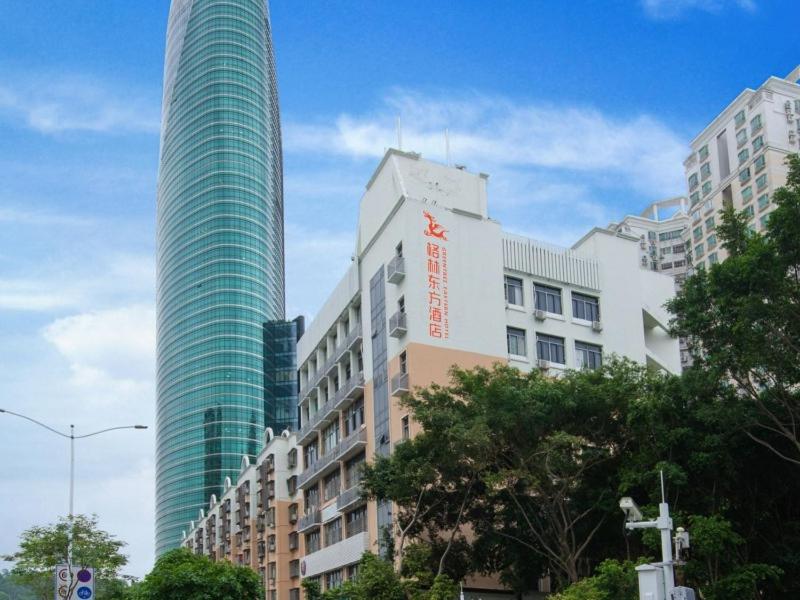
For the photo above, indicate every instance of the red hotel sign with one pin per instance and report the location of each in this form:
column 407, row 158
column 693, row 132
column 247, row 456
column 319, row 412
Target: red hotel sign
column 436, row 258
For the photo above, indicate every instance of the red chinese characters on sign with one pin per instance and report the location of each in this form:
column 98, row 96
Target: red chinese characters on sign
column 436, row 261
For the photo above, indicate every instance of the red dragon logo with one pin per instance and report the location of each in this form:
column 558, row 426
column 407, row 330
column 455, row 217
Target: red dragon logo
column 434, row 229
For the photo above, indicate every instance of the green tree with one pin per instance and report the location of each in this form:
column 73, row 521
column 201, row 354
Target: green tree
column 42, row 548
column 743, row 316
column 613, row 580
column 183, row 575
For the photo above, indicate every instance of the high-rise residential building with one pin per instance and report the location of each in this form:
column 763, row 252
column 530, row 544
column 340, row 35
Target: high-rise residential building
column 739, row 160
column 661, row 228
column 220, row 250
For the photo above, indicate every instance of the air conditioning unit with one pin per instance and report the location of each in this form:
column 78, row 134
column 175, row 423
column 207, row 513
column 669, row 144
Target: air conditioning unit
column 543, row 364
column 539, row 314
column 597, row 326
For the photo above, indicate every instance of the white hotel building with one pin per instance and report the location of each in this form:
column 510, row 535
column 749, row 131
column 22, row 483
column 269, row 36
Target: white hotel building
column 435, row 282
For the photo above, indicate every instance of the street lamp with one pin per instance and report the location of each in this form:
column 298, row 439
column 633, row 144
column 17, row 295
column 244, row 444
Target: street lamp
column 72, row 437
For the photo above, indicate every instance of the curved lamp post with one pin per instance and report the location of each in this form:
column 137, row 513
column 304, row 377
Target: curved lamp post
column 72, row 437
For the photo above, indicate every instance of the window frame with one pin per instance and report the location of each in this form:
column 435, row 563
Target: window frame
column 548, row 292
column 592, row 353
column 515, row 332
column 518, row 286
column 545, row 346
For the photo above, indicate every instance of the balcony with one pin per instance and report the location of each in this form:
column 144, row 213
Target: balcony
column 351, row 389
column 318, row 469
column 311, row 520
column 400, row 384
column 396, row 270
column 351, row 445
column 315, row 422
column 352, row 338
column 398, row 324
column 349, row 497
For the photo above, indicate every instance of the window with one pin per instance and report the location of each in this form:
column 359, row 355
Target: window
column 699, row 250
column 741, row 137
column 550, row 348
column 744, row 156
column 744, row 175
column 761, row 182
column 694, row 197
column 710, row 224
column 398, row 250
column 696, row 216
column 330, row 437
column 702, row 154
column 764, row 221
column 356, row 521
column 670, row 235
column 310, row 454
column 548, row 298
column 333, row 579
column 513, row 289
column 588, row 356
column 651, row 235
column 332, row 485
column 333, row 532
column 692, row 181
column 758, row 143
column 405, row 428
column 711, row 241
column 585, row 307
column 747, row 194
column 294, row 539
column 312, row 542
column 739, row 118
column 706, row 188
column 713, row 258
column 403, row 362
column 352, row 469
column 749, row 211
column 697, row 233
column 516, row 341
column 667, row 250
column 354, row 417
column 755, row 124
column 763, row 201
column 705, row 171
column 352, row 571
column 760, row 163
column 679, row 249
column 311, row 498
column 401, row 304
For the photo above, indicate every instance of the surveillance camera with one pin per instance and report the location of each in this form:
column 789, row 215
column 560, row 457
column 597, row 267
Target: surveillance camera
column 630, row 509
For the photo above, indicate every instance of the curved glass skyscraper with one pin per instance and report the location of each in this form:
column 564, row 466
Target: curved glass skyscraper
column 220, row 250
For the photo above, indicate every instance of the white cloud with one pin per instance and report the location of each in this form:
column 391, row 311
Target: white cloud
column 637, row 151
column 62, row 103
column 109, row 350
column 671, row 9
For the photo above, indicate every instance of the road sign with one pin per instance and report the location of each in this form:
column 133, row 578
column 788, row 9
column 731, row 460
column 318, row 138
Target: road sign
column 76, row 583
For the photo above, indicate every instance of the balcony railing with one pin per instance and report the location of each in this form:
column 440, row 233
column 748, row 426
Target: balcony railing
column 400, row 384
column 349, row 497
column 352, row 388
column 310, row 520
column 351, row 338
column 342, row 451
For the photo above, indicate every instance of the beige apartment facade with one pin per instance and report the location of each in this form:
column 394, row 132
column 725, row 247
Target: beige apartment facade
column 739, row 160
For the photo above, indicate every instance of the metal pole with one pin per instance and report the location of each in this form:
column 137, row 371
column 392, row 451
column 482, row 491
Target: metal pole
column 71, row 470
column 665, row 526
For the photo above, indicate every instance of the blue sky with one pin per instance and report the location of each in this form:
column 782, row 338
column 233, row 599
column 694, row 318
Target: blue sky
column 580, row 112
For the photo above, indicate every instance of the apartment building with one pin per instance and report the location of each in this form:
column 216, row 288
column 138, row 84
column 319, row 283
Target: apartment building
column 435, row 282
column 254, row 522
column 661, row 229
column 739, row 160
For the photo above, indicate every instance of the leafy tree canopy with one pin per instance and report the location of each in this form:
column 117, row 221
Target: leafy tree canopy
column 183, row 575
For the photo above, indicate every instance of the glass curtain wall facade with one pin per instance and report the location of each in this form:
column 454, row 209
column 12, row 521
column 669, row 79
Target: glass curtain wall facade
column 220, row 250
column 280, row 373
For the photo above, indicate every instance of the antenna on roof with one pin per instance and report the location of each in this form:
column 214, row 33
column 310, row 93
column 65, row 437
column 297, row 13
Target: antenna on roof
column 399, row 133
column 447, row 146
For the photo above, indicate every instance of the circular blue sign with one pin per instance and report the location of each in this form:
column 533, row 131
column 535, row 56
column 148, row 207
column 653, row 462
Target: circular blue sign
column 84, row 593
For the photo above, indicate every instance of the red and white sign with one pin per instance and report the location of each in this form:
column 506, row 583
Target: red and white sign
column 436, row 262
